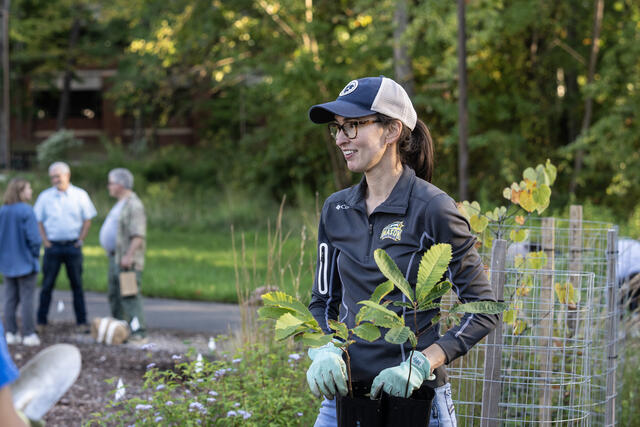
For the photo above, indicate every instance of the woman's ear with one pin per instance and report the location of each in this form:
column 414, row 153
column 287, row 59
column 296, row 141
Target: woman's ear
column 394, row 129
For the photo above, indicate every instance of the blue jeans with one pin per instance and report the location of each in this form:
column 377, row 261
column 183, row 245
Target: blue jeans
column 443, row 414
column 62, row 253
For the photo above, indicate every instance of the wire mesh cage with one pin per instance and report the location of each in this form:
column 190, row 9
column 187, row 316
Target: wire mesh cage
column 542, row 353
column 580, row 246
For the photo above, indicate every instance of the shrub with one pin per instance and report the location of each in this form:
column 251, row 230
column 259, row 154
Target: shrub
column 260, row 384
column 57, row 146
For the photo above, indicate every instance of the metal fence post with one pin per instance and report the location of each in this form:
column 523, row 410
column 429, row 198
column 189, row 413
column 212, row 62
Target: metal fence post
column 612, row 303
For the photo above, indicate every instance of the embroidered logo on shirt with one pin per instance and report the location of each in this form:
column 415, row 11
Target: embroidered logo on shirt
column 392, row 231
column 343, row 206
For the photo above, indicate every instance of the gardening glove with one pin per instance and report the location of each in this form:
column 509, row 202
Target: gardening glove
column 393, row 381
column 327, row 375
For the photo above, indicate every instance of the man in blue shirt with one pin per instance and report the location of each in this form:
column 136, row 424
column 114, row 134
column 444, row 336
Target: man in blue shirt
column 64, row 214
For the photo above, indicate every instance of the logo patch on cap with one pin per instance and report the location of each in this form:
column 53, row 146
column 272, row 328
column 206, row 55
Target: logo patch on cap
column 350, row 87
column 392, row 231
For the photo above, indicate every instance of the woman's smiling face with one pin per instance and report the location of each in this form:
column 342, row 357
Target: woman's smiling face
column 365, row 151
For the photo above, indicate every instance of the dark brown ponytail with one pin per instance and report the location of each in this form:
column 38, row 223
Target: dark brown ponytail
column 415, row 148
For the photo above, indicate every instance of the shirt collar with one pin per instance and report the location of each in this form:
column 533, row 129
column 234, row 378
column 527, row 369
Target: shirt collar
column 396, row 203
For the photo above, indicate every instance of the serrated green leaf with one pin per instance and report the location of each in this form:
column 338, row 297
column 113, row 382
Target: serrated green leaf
column 397, row 335
column 288, row 325
column 315, row 339
column 436, row 319
column 428, row 306
column 433, row 265
column 367, row 332
column 403, row 304
column 292, row 305
column 519, row 235
column 382, row 290
column 273, row 313
column 340, row 329
column 437, row 292
column 380, row 316
column 413, row 339
column 391, row 271
column 481, row 307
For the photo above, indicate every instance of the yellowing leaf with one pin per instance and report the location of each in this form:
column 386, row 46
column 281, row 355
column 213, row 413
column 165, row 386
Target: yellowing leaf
column 506, row 193
column 519, row 235
column 536, row 260
column 519, row 219
column 509, row 317
column 541, row 196
column 551, row 172
column 529, row 174
column 478, row 223
column 526, row 201
column 519, row 327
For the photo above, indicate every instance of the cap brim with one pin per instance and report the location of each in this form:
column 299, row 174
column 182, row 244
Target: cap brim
column 325, row 113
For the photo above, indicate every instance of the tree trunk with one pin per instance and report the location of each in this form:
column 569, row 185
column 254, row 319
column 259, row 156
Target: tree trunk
column 588, row 103
column 463, row 115
column 5, row 144
column 401, row 60
column 63, row 106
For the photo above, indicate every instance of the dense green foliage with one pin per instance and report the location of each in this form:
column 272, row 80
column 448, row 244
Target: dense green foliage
column 247, row 71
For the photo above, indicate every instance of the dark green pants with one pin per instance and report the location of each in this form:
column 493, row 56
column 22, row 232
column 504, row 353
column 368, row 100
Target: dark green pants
column 125, row 308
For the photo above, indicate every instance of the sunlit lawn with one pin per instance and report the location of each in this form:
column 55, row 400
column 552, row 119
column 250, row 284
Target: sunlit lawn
column 196, row 265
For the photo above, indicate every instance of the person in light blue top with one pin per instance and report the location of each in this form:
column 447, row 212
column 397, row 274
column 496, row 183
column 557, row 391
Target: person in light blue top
column 19, row 251
column 64, row 214
column 8, row 374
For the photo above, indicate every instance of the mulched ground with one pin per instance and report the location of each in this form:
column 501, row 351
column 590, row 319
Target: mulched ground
column 100, row 362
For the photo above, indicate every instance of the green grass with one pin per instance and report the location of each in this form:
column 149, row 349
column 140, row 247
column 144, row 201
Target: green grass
column 200, row 265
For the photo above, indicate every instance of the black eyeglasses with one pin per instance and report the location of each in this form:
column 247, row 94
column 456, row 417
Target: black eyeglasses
column 349, row 128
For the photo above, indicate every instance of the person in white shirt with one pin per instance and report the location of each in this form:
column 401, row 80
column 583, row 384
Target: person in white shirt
column 64, row 214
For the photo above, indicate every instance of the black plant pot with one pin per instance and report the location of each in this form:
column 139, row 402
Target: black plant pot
column 361, row 411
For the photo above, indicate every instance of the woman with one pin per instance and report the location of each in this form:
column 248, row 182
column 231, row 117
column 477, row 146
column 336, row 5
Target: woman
column 394, row 207
column 19, row 251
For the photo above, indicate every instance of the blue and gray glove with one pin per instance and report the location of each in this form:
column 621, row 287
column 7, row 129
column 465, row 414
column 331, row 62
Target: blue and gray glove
column 393, row 381
column 327, row 375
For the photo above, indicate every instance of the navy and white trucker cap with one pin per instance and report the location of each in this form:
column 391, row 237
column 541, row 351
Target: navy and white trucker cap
column 367, row 96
